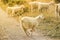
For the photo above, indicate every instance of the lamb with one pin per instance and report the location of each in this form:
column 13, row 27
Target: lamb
column 45, row 8
column 29, row 24
column 12, row 10
column 41, row 6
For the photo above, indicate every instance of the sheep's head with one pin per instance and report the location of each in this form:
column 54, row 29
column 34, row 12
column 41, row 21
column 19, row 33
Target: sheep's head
column 40, row 17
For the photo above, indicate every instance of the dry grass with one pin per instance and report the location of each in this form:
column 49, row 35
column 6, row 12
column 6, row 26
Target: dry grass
column 50, row 26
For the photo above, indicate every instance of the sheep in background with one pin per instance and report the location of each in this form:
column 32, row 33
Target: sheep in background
column 13, row 10
column 33, row 5
column 40, row 6
column 43, row 7
column 29, row 24
column 58, row 9
column 47, row 9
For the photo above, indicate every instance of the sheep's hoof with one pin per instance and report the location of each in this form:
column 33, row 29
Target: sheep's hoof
column 29, row 34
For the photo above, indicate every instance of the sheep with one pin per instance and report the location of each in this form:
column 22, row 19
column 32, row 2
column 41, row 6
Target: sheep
column 58, row 9
column 29, row 24
column 45, row 8
column 14, row 9
column 32, row 5
column 40, row 5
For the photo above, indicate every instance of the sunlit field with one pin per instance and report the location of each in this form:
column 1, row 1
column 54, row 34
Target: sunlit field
column 12, row 11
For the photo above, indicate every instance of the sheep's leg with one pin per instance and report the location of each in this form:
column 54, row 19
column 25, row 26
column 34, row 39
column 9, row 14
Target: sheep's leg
column 33, row 28
column 29, row 30
column 26, row 30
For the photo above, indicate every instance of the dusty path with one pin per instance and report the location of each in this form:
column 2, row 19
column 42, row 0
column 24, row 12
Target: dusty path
column 10, row 30
column 10, row 27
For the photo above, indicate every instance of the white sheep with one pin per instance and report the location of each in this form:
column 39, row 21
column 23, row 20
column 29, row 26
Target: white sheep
column 45, row 8
column 12, row 10
column 29, row 24
column 58, row 9
column 40, row 5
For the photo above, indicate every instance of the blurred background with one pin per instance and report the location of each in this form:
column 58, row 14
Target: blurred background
column 11, row 11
